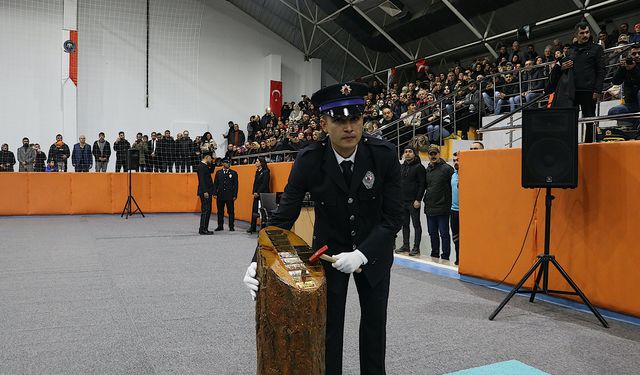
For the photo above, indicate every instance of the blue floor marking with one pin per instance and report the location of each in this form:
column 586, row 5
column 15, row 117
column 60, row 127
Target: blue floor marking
column 512, row 367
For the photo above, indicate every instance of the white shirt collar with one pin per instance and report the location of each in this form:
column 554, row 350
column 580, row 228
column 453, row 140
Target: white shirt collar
column 351, row 158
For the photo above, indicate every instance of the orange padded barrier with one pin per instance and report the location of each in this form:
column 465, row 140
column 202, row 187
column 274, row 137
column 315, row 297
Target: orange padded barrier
column 106, row 193
column 594, row 228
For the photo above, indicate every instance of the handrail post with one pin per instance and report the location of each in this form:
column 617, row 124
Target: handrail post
column 511, row 132
column 413, row 126
column 480, row 104
column 455, row 125
column 441, row 118
column 495, row 90
column 520, row 87
column 398, row 137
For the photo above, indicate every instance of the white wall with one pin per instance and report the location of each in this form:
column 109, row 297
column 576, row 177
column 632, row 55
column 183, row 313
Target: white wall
column 206, row 68
column 30, row 81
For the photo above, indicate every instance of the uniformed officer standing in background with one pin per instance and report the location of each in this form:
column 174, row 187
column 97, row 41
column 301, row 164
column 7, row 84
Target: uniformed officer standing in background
column 355, row 184
column 225, row 189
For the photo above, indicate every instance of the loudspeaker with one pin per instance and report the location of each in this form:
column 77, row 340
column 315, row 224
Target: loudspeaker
column 550, row 148
column 133, row 159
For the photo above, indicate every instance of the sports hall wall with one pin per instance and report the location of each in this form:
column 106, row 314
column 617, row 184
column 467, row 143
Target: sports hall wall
column 207, row 66
column 106, row 193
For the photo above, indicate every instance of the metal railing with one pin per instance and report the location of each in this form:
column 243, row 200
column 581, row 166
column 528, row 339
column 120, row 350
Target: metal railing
column 272, row 156
column 401, row 131
column 610, row 66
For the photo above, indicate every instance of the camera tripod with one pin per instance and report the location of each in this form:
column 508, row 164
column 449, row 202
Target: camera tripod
column 128, row 205
column 543, row 263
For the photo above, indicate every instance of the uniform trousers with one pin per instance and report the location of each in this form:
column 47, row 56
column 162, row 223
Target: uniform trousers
column 205, row 213
column 230, row 210
column 373, row 321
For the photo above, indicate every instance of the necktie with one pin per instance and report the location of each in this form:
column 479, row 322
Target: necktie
column 346, row 171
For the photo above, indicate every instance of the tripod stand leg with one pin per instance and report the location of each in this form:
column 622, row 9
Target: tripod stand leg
column 536, row 284
column 579, row 292
column 127, row 208
column 516, row 288
column 137, row 207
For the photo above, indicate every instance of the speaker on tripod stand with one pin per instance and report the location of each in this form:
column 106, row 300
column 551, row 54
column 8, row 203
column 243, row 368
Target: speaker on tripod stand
column 133, row 163
column 549, row 160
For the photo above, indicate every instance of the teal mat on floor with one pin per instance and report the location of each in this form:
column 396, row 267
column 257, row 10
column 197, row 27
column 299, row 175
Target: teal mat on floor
column 501, row 368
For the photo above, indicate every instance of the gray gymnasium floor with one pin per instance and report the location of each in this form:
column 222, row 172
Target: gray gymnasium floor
column 101, row 295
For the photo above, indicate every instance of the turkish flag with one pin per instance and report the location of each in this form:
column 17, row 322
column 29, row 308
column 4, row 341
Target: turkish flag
column 421, row 64
column 275, row 97
column 73, row 58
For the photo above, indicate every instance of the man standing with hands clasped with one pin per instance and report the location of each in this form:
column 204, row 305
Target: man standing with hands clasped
column 354, row 182
column 205, row 192
column 586, row 59
column 413, row 179
column 437, row 203
column 225, row 189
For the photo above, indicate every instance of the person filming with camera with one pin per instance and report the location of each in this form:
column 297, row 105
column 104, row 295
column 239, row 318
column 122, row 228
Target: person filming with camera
column 628, row 75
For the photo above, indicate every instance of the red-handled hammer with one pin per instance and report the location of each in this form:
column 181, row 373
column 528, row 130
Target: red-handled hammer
column 321, row 255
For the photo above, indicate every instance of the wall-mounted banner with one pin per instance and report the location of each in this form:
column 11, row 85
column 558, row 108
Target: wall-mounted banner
column 275, row 98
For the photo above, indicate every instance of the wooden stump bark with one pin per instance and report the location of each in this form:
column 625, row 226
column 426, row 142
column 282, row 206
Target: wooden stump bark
column 290, row 308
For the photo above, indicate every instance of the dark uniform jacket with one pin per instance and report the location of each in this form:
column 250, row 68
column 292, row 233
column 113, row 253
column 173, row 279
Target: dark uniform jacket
column 261, row 181
column 364, row 216
column 225, row 185
column 205, row 183
column 413, row 180
column 437, row 199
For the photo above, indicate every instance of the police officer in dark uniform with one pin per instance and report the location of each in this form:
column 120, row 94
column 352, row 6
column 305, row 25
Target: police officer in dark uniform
column 355, row 183
column 225, row 189
column 205, row 192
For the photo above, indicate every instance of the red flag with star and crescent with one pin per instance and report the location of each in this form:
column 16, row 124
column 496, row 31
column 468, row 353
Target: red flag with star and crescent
column 275, row 97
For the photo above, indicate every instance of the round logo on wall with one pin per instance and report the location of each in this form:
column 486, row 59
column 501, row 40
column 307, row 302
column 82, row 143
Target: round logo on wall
column 69, row 46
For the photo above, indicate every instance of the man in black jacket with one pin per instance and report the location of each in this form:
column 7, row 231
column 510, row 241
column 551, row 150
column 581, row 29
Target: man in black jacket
column 120, row 146
column 166, row 152
column 437, row 203
column 205, row 192
column 7, row 159
column 628, row 75
column 412, row 174
column 261, row 183
column 354, row 182
column 225, row 190
column 587, row 61
column 101, row 152
column 59, row 152
column 388, row 116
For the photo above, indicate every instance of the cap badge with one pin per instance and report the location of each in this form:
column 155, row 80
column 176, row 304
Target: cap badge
column 346, row 89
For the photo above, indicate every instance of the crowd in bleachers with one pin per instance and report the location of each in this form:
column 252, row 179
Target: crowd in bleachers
column 462, row 93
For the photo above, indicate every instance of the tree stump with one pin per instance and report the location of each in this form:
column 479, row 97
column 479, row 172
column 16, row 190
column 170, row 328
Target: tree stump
column 291, row 306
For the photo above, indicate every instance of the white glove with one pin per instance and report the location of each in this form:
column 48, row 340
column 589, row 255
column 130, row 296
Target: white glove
column 350, row 261
column 250, row 280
